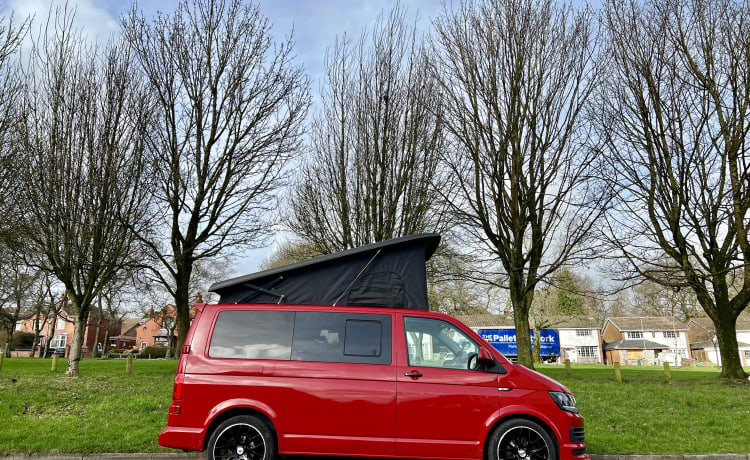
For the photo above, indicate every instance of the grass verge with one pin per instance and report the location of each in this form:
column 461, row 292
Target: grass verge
column 105, row 410
column 696, row 413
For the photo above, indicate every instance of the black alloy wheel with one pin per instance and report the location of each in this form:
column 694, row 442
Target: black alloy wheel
column 243, row 437
column 521, row 439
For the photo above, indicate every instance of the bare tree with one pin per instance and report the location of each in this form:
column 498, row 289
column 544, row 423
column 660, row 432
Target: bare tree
column 17, row 280
column 516, row 78
column 85, row 116
column 675, row 113
column 375, row 144
column 231, row 107
column 11, row 87
column 43, row 305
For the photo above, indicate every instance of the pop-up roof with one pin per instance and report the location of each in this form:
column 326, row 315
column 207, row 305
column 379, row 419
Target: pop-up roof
column 388, row 274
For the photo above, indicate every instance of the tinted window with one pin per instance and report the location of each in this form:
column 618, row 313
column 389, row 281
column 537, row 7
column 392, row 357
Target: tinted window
column 253, row 335
column 342, row 337
column 437, row 343
column 363, row 338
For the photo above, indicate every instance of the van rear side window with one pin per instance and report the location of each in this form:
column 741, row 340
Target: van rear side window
column 342, row 338
column 253, row 335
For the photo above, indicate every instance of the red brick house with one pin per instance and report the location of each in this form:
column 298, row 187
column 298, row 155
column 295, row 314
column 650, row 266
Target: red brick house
column 62, row 332
column 158, row 329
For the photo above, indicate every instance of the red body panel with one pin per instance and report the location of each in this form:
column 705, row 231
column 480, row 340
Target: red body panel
column 370, row 410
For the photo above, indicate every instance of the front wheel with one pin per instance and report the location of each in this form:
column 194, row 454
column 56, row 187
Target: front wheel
column 243, row 437
column 520, row 439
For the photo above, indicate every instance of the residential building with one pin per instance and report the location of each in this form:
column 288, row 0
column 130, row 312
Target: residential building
column 157, row 329
column 645, row 340
column 704, row 346
column 580, row 339
column 62, row 335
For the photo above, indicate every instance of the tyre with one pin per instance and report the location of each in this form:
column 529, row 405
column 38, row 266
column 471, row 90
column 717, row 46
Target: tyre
column 520, row 439
column 243, row 437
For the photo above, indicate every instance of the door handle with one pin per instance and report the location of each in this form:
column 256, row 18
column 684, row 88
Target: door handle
column 414, row 374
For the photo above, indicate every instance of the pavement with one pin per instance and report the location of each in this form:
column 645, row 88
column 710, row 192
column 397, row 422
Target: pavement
column 200, row 455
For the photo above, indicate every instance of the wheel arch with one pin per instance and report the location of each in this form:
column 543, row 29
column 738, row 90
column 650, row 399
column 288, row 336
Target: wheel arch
column 536, row 418
column 225, row 412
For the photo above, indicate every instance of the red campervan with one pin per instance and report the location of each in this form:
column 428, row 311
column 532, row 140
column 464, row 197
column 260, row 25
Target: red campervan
column 259, row 380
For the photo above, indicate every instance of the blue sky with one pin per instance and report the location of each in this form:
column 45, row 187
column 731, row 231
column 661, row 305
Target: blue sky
column 316, row 24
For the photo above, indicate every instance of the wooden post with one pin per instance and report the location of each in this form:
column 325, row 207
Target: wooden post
column 54, row 362
column 567, row 368
column 2, row 358
column 667, row 372
column 618, row 375
column 129, row 365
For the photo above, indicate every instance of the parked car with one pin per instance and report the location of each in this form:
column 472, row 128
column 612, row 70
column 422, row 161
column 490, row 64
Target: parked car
column 258, row 381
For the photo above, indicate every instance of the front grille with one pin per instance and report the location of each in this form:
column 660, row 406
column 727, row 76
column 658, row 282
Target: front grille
column 576, row 434
column 579, row 452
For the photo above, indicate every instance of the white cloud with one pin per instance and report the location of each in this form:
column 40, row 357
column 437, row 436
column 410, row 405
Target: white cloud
column 93, row 21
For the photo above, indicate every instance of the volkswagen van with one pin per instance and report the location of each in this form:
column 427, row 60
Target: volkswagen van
column 258, row 381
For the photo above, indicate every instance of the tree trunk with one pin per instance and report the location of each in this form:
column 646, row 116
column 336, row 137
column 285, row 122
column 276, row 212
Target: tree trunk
column 537, row 344
column 79, row 331
column 521, row 303
column 182, row 306
column 106, row 341
column 50, row 334
column 33, row 343
column 726, row 335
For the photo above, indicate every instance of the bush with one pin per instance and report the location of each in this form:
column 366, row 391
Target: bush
column 157, row 352
column 22, row 340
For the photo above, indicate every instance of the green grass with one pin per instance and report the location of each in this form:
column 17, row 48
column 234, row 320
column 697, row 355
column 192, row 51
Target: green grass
column 105, row 410
column 645, row 415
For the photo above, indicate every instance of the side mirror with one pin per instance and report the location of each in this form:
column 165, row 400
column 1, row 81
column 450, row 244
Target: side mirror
column 485, row 358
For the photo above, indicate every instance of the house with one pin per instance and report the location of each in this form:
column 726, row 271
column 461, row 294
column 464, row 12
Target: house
column 580, row 339
column 129, row 336
column 703, row 344
column 642, row 339
column 158, row 329
column 63, row 327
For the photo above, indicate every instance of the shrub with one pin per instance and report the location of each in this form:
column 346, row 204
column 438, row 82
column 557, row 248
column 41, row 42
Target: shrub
column 22, row 340
column 157, row 352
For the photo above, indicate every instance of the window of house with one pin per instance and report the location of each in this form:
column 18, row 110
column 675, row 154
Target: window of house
column 98, row 347
column 19, row 324
column 635, row 334
column 58, row 341
column 60, row 323
column 583, row 332
column 586, row 352
column 437, row 343
column 747, row 354
column 671, row 334
column 143, row 345
column 36, row 325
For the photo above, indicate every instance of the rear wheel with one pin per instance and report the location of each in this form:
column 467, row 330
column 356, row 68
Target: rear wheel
column 243, row 437
column 521, row 439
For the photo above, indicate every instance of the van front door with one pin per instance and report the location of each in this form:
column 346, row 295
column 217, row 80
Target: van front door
column 442, row 405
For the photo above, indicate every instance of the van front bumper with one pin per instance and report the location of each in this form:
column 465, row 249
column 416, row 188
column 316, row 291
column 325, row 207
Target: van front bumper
column 182, row 437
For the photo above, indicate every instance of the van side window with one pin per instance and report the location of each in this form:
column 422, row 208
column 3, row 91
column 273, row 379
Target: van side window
column 342, row 338
column 363, row 338
column 253, row 335
column 437, row 343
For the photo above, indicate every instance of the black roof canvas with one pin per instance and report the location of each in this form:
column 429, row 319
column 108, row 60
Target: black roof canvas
column 389, row 274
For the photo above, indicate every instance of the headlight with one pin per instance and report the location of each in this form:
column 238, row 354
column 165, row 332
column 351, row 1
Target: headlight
column 564, row 401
